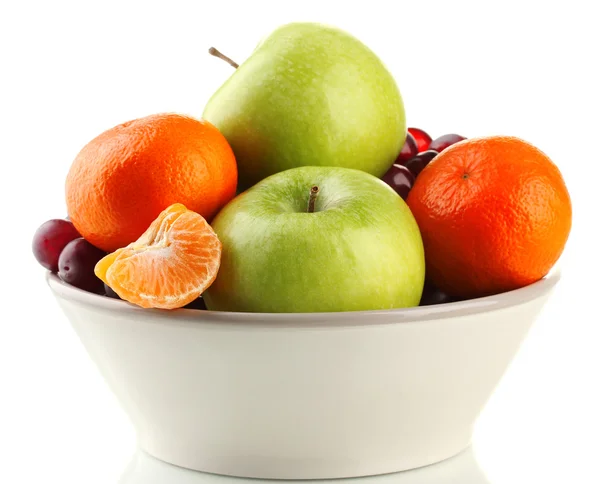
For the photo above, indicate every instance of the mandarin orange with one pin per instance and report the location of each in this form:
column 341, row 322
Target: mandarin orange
column 494, row 215
column 122, row 180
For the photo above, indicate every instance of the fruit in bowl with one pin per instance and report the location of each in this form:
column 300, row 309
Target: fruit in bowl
column 416, row 153
column 309, row 94
column 317, row 239
column 169, row 266
column 495, row 215
column 76, row 265
column 124, row 178
column 49, row 241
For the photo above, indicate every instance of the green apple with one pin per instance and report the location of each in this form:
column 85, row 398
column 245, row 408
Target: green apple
column 317, row 239
column 309, row 94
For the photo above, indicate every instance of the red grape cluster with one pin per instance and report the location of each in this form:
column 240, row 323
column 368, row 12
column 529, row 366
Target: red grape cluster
column 417, row 152
column 58, row 247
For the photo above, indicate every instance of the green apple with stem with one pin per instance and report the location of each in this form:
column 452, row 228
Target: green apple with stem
column 317, row 239
column 309, row 94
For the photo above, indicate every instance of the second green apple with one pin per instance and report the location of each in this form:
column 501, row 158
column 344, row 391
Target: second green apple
column 317, row 239
column 309, row 95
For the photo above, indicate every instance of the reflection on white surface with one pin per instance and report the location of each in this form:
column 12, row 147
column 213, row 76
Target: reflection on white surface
column 462, row 469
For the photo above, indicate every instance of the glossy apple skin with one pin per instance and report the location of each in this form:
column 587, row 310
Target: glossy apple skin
column 310, row 95
column 360, row 250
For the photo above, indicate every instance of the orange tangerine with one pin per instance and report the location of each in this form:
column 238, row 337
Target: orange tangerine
column 494, row 213
column 122, row 179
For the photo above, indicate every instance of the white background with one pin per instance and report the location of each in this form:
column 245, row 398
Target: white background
column 70, row 71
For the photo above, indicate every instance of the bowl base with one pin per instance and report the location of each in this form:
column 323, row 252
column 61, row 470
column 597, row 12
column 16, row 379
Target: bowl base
column 293, row 469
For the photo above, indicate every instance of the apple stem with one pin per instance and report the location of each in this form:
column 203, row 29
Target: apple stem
column 314, row 191
column 220, row 55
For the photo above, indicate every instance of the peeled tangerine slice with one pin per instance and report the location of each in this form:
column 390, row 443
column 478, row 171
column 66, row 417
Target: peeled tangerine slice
column 169, row 266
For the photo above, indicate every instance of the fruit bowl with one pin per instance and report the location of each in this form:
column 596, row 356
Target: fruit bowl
column 304, row 396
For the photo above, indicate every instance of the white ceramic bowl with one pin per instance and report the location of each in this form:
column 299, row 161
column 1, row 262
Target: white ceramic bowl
column 304, row 396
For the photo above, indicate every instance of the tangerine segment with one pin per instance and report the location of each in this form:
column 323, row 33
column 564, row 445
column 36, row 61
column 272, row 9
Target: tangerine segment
column 169, row 266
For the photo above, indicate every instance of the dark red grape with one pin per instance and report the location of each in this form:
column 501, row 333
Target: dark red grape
column 50, row 239
column 427, row 156
column 421, row 138
column 400, row 179
column 76, row 265
column 196, row 304
column 108, row 291
column 441, row 143
column 409, row 149
column 416, row 164
column 432, row 295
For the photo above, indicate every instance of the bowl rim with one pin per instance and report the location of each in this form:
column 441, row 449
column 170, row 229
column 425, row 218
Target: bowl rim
column 417, row 314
